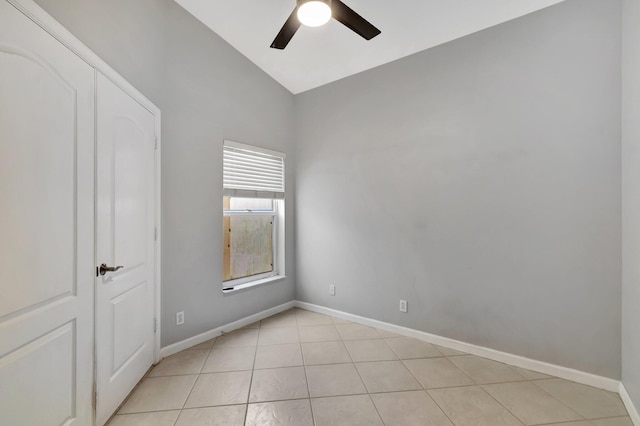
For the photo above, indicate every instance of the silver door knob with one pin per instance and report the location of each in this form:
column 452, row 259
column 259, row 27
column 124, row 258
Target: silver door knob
column 103, row 269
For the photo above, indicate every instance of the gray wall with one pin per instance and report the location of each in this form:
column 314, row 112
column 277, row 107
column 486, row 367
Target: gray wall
column 631, row 199
column 207, row 92
column 479, row 180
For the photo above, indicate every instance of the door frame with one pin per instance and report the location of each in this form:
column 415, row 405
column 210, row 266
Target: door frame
column 38, row 15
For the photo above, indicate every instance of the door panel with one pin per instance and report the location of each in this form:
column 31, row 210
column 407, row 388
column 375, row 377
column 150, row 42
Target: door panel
column 129, row 325
column 125, row 229
column 46, row 227
column 40, row 194
column 131, row 144
column 45, row 361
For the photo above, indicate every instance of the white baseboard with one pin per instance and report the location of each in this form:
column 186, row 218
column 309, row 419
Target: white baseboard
column 578, row 376
column 208, row 335
column 628, row 403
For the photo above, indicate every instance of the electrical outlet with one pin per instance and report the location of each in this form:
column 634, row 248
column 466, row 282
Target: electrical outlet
column 332, row 290
column 180, row 318
column 403, row 306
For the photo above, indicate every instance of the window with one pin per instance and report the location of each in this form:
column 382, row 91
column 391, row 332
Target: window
column 249, row 238
column 253, row 215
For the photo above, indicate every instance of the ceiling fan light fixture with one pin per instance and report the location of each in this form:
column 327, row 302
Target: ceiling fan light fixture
column 314, row 13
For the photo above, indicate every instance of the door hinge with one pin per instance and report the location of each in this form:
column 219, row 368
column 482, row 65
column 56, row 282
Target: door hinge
column 155, row 233
column 155, row 142
column 155, row 325
column 94, row 400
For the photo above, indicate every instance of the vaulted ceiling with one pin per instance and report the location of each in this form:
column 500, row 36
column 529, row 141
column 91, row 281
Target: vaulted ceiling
column 317, row 56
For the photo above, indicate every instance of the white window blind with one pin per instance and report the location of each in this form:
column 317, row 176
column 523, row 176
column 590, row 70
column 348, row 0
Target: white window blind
column 252, row 172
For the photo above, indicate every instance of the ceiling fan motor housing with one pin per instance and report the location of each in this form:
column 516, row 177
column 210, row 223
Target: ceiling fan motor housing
column 301, row 2
column 314, row 13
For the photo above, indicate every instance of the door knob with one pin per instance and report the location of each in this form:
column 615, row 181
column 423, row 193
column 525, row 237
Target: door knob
column 103, row 269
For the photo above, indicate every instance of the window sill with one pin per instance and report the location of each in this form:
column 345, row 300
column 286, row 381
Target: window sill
column 252, row 284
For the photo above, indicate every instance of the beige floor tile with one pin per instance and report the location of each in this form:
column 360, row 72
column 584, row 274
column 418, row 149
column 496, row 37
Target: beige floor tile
column 220, row 389
column 284, row 319
column 229, row 359
column 578, row 423
column 484, row 371
column 278, row 335
column 279, row 387
column 619, row 421
column 318, row 333
column 356, row 332
column 530, row 404
column 414, row 408
column 252, row 325
column 281, row 413
column 334, row 380
column 437, row 373
column 237, row 339
column 408, row 348
column 530, row 375
column 159, row 393
column 355, row 410
column 616, row 421
column 472, row 406
column 369, row 350
column 312, row 318
column 278, row 384
column 388, row 334
column 185, row 362
column 230, row 415
column 274, row 356
column 590, row 402
column 386, row 376
column 325, row 353
column 162, row 418
column 204, row 346
column 449, row 352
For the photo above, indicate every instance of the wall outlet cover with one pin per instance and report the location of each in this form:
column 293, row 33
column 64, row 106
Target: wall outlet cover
column 332, row 290
column 180, row 318
column 403, row 306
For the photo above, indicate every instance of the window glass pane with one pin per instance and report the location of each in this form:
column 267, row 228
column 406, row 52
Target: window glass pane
column 255, row 204
column 248, row 246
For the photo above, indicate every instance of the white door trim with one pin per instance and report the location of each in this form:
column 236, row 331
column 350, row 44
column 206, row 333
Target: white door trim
column 50, row 25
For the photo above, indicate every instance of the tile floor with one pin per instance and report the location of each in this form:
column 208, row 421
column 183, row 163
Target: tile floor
column 301, row 368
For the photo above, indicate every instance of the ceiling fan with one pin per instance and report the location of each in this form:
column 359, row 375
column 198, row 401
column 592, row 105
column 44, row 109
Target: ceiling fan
column 314, row 13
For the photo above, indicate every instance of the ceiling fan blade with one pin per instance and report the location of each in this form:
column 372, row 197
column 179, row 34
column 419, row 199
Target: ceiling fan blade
column 287, row 31
column 345, row 15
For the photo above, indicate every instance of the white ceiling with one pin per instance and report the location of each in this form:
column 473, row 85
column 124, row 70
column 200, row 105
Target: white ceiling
column 317, row 56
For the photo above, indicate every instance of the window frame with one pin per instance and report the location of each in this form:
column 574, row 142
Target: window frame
column 274, row 243
column 278, row 220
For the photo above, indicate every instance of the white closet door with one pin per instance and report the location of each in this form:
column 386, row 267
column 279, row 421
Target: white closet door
column 46, row 227
column 125, row 237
